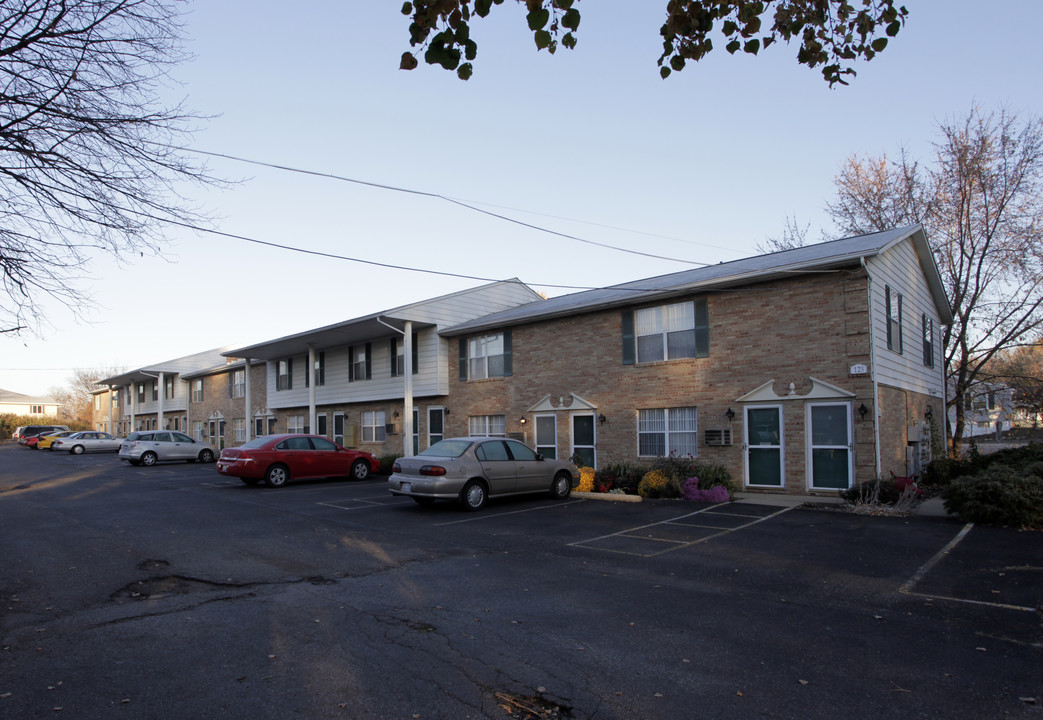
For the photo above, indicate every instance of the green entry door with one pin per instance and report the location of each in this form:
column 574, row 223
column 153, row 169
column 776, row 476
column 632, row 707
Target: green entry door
column 764, row 448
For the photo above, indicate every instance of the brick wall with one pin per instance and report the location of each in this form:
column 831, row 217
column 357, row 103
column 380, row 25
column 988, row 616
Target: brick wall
column 787, row 331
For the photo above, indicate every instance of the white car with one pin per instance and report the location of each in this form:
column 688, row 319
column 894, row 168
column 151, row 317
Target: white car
column 88, row 441
column 148, row 448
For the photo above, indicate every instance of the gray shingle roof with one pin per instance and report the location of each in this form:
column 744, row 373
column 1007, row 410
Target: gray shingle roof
column 817, row 257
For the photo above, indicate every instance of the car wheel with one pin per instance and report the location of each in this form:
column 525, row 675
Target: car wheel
column 76, row 450
column 276, row 476
column 206, row 456
column 425, row 501
column 473, row 496
column 250, row 481
column 360, row 470
column 561, row 487
column 149, row 459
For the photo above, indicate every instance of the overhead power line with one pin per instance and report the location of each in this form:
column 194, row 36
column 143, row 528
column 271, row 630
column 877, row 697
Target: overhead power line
column 423, row 193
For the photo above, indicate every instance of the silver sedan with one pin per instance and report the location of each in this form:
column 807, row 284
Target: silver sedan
column 88, row 441
column 473, row 469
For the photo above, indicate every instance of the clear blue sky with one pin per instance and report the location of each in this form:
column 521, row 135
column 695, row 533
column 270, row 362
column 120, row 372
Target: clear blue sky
column 701, row 167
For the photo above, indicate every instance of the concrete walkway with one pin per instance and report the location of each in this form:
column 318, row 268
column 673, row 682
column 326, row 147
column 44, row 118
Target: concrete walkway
column 931, row 507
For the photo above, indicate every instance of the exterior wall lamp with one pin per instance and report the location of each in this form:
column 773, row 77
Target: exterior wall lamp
column 730, row 414
column 862, row 410
column 602, row 418
column 929, row 415
column 522, row 420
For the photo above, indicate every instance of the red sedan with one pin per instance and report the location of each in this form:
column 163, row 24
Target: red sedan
column 278, row 458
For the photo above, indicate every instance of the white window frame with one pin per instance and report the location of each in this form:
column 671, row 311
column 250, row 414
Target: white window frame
column 670, row 432
column 487, row 425
column 481, row 349
column 197, row 390
column 238, row 383
column 664, row 321
column 374, row 426
column 295, row 424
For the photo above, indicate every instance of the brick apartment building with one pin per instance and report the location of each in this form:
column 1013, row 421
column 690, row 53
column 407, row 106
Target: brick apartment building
column 801, row 371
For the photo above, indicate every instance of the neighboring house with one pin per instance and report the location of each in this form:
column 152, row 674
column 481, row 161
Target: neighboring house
column 19, row 404
column 800, row 371
column 156, row 397
column 218, row 403
column 988, row 408
column 377, row 382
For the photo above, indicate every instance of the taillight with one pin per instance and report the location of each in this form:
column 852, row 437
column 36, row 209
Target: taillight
column 396, row 468
column 434, row 470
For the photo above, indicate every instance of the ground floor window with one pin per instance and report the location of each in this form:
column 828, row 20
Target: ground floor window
column 487, row 425
column 373, row 426
column 295, row 424
column 667, row 431
column 239, row 428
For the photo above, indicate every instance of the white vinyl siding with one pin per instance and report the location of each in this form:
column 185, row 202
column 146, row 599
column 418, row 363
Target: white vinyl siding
column 908, row 370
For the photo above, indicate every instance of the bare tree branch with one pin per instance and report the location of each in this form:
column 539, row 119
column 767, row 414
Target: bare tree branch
column 88, row 158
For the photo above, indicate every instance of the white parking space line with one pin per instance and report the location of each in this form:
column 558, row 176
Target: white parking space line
column 634, row 534
column 908, row 588
column 486, row 515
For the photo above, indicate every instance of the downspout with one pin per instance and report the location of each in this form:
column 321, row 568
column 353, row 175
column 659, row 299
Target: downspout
column 872, row 365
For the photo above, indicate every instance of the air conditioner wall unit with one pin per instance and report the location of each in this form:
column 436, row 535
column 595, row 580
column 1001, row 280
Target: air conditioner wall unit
column 718, row 437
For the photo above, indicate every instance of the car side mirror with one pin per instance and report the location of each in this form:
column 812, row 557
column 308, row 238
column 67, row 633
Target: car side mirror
column 539, row 456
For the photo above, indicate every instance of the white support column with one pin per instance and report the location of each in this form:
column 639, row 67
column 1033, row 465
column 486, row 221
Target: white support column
column 111, row 431
column 311, row 388
column 133, row 406
column 161, row 393
column 248, row 408
column 407, row 391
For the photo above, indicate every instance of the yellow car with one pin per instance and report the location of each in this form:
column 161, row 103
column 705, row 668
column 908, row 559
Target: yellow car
column 45, row 442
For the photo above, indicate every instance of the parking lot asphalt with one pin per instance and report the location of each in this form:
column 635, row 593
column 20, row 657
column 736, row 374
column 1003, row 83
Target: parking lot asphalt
column 172, row 592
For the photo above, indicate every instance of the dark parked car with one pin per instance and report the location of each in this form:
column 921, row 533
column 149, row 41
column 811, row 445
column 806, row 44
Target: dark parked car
column 277, row 458
column 33, row 430
column 473, row 469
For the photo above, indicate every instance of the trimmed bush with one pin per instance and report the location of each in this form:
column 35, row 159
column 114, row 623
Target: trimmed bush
column 692, row 491
column 586, row 480
column 655, row 484
column 999, row 495
column 386, row 463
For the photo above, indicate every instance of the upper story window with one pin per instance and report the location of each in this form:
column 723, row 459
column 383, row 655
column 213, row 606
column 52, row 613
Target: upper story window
column 893, row 301
column 284, row 374
column 155, row 391
column 141, row 392
column 360, row 362
column 237, row 384
column 928, row 340
column 486, row 356
column 168, row 388
column 398, row 357
column 666, row 332
column 319, row 370
column 197, row 390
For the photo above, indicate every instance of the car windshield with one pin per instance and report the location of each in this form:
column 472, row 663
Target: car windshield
column 447, row 448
